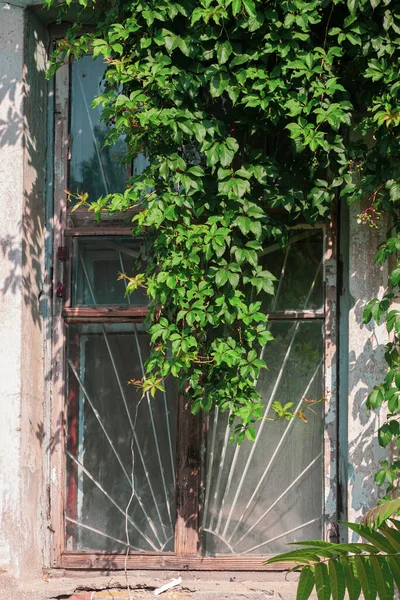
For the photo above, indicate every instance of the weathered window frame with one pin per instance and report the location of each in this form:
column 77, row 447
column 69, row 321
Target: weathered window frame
column 186, row 539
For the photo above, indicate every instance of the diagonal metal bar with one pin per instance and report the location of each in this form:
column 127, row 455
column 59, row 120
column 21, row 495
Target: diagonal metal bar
column 259, row 432
column 281, row 277
column 121, row 260
column 250, row 529
column 120, row 248
column 97, row 484
column 171, row 454
column 164, row 394
column 275, row 453
column 153, row 426
column 94, row 530
column 167, row 542
column 237, row 449
column 137, row 442
column 211, row 461
column 277, row 295
column 221, row 538
column 88, row 113
column 281, row 535
column 295, row 238
column 125, row 402
column 81, row 430
column 272, row 397
column 97, row 415
column 227, row 488
column 219, row 476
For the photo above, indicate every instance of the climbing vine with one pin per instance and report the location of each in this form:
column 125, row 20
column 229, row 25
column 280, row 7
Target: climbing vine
column 254, row 115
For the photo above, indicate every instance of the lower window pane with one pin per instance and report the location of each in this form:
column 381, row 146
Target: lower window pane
column 259, row 497
column 113, row 434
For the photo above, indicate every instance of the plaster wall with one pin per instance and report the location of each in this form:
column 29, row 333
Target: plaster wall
column 11, row 296
column 366, row 364
column 22, row 156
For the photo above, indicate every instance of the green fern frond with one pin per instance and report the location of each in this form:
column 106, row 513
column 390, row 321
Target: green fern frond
column 372, row 568
column 376, row 516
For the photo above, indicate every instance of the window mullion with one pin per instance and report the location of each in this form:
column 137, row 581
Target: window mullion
column 187, row 537
column 295, row 315
column 61, row 138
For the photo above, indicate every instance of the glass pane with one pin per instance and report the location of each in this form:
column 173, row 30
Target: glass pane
column 97, row 265
column 94, row 168
column 112, row 434
column 299, row 271
column 261, row 496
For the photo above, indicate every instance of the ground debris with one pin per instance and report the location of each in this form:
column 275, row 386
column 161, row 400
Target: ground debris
column 168, row 586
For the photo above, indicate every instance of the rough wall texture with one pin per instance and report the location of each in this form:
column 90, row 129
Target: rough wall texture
column 11, row 296
column 22, row 158
column 366, row 364
column 32, row 450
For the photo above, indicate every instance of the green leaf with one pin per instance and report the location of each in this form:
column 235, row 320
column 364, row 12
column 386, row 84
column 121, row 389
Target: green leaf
column 374, row 537
column 234, row 279
column 395, row 277
column 391, row 534
column 304, row 556
column 199, row 131
column 224, row 50
column 322, row 583
column 385, row 435
column 221, row 277
column 232, row 144
column 306, row 583
column 394, row 566
column 250, row 7
column 387, row 576
column 387, row 20
column 337, row 579
column 354, row 39
column 394, row 192
column 352, row 6
column 352, row 583
column 379, row 579
column 397, row 379
column 251, row 434
column 376, row 516
column 365, row 576
column 236, row 7
column 376, row 397
column 219, row 83
column 367, row 314
column 226, row 155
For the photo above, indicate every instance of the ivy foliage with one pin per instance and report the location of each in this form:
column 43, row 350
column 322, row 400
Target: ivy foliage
column 371, row 569
column 247, row 111
column 387, row 394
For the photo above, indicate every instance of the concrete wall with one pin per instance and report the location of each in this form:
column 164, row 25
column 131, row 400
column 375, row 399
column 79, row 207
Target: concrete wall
column 22, row 169
column 365, row 363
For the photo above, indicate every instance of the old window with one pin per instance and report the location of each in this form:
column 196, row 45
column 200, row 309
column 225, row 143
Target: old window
column 145, row 475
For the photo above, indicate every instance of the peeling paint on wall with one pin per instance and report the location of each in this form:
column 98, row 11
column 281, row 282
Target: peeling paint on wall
column 366, row 364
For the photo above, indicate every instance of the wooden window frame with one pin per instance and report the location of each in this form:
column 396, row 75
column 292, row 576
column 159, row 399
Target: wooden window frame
column 187, row 541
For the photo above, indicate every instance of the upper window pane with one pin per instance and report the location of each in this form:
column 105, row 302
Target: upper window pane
column 94, row 168
column 299, row 271
column 97, row 264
